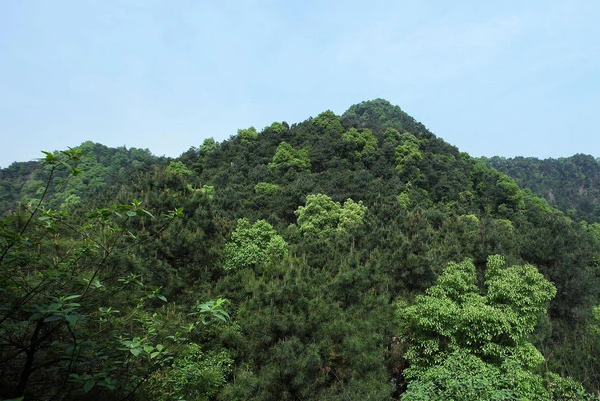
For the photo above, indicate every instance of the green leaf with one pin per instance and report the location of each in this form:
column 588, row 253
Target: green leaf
column 108, row 383
column 50, row 158
column 89, row 385
column 131, row 213
column 136, row 351
column 161, row 297
column 72, row 319
column 35, row 316
column 222, row 315
column 54, row 307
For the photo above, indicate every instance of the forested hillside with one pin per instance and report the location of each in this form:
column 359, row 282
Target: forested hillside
column 572, row 184
column 100, row 172
column 352, row 257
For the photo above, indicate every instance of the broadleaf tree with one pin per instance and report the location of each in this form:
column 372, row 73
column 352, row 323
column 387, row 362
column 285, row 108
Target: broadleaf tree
column 467, row 343
column 253, row 244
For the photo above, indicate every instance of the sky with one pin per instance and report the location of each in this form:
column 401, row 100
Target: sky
column 510, row 78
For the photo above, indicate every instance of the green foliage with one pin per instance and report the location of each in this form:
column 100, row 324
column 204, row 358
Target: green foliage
column 71, row 202
column 329, row 122
column 302, row 342
column 513, row 195
column 286, row 158
column 247, row 135
column 253, row 244
column 408, row 155
column 77, row 314
column 380, row 114
column 594, row 230
column 566, row 389
column 208, row 146
column 315, row 322
column 464, row 377
column 392, row 135
column 208, row 191
column 569, row 184
column 195, row 375
column 209, row 311
column 266, row 188
column 413, row 196
column 177, row 169
column 198, row 160
column 472, row 222
column 364, row 140
column 404, row 200
column 100, row 171
column 455, row 328
column 276, row 127
column 594, row 327
column 321, row 216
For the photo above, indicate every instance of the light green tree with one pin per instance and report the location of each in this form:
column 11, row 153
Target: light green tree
column 277, row 127
column 266, row 188
column 248, row 134
column 392, row 135
column 207, row 147
column 463, row 377
column 194, row 375
column 177, row 168
column 286, row 157
column 253, row 244
column 329, row 122
column 365, row 141
column 408, row 155
column 513, row 196
column 322, row 216
column 465, row 343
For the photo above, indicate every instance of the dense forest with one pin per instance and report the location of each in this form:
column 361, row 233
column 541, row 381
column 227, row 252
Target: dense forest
column 352, row 257
column 571, row 184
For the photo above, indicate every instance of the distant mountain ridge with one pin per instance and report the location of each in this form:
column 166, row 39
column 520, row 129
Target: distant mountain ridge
column 572, row 184
column 102, row 171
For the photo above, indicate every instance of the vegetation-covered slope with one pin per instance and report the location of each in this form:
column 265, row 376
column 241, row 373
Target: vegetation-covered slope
column 100, row 173
column 355, row 254
column 572, row 184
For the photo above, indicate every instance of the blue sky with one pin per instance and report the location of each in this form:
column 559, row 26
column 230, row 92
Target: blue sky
column 493, row 78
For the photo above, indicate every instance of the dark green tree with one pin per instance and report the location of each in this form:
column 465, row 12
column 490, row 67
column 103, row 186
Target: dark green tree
column 76, row 314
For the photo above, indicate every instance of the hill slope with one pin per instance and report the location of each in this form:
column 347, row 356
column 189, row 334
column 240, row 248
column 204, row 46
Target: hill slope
column 321, row 234
column 571, row 184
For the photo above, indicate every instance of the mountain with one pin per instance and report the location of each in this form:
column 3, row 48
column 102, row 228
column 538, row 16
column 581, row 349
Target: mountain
column 101, row 171
column 343, row 257
column 571, row 184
